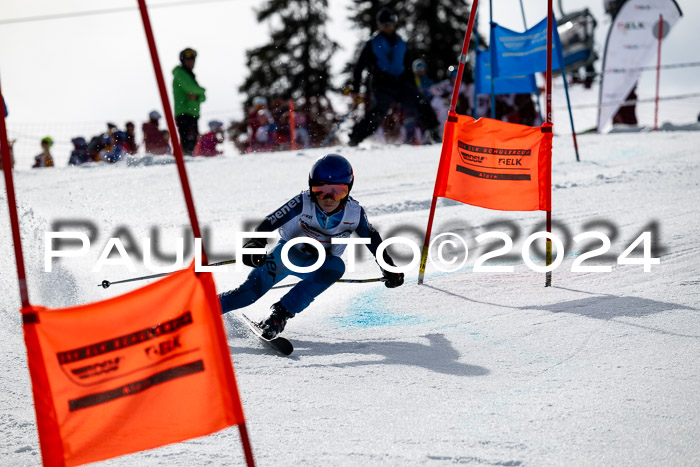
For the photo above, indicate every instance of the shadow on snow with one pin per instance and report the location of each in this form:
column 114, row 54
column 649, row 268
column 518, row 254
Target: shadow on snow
column 437, row 355
column 599, row 306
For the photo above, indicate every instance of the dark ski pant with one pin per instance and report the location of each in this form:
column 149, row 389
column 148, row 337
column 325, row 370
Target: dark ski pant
column 188, row 130
column 382, row 98
column 261, row 279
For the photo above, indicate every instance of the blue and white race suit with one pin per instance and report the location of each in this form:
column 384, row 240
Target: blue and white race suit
column 301, row 217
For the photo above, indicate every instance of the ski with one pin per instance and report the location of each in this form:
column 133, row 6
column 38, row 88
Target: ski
column 280, row 344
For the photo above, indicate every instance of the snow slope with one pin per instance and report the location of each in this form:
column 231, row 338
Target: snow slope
column 470, row 368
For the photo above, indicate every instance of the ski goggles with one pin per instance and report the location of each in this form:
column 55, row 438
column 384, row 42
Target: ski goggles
column 333, row 191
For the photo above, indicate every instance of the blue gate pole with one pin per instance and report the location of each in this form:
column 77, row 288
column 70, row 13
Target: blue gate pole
column 539, row 106
column 492, row 50
column 560, row 53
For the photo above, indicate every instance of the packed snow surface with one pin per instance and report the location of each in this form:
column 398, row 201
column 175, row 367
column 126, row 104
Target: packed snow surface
column 469, row 368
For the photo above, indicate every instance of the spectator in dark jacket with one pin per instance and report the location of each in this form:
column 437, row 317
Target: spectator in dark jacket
column 154, row 139
column 79, row 154
column 114, row 150
column 385, row 56
column 208, row 141
column 130, row 143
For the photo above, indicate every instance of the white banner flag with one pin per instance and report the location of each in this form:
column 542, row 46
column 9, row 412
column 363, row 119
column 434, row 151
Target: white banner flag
column 632, row 43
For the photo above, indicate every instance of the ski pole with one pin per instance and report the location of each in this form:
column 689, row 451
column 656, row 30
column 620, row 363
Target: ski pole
column 105, row 283
column 345, row 281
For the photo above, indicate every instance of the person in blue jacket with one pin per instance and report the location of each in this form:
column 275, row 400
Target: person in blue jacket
column 323, row 212
column 385, row 56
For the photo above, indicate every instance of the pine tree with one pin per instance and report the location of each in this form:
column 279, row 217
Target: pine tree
column 436, row 33
column 433, row 29
column 296, row 61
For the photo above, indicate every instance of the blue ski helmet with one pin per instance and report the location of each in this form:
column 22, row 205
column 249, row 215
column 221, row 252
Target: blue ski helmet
column 329, row 169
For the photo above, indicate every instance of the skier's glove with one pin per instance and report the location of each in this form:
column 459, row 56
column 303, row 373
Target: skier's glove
column 393, row 279
column 254, row 260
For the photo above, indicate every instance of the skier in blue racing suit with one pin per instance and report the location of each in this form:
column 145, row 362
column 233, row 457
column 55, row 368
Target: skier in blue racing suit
column 324, row 212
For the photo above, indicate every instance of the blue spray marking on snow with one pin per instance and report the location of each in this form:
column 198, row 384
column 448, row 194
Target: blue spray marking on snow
column 373, row 308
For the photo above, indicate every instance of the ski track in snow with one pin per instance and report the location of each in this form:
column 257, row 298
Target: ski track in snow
column 470, row 368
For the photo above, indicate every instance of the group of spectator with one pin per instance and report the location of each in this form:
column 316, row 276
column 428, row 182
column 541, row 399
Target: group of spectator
column 111, row 146
column 282, row 125
column 277, row 125
column 402, row 105
column 115, row 145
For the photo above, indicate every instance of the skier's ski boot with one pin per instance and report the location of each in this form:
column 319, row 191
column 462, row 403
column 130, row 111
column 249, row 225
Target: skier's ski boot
column 274, row 324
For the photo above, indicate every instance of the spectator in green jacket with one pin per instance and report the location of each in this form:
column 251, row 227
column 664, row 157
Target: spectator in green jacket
column 188, row 96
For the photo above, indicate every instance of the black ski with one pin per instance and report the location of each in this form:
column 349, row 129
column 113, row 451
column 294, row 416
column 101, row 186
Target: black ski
column 280, row 344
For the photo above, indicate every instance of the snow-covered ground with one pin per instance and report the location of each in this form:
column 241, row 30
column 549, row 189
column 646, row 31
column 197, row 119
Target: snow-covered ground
column 470, row 368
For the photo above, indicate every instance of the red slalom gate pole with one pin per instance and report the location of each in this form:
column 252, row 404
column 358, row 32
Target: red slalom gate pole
column 12, row 206
column 548, row 119
column 292, row 128
column 660, row 33
column 177, row 148
column 463, row 57
column 450, row 121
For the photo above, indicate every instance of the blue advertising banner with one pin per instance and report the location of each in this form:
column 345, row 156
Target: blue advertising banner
column 523, row 53
column 524, row 84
